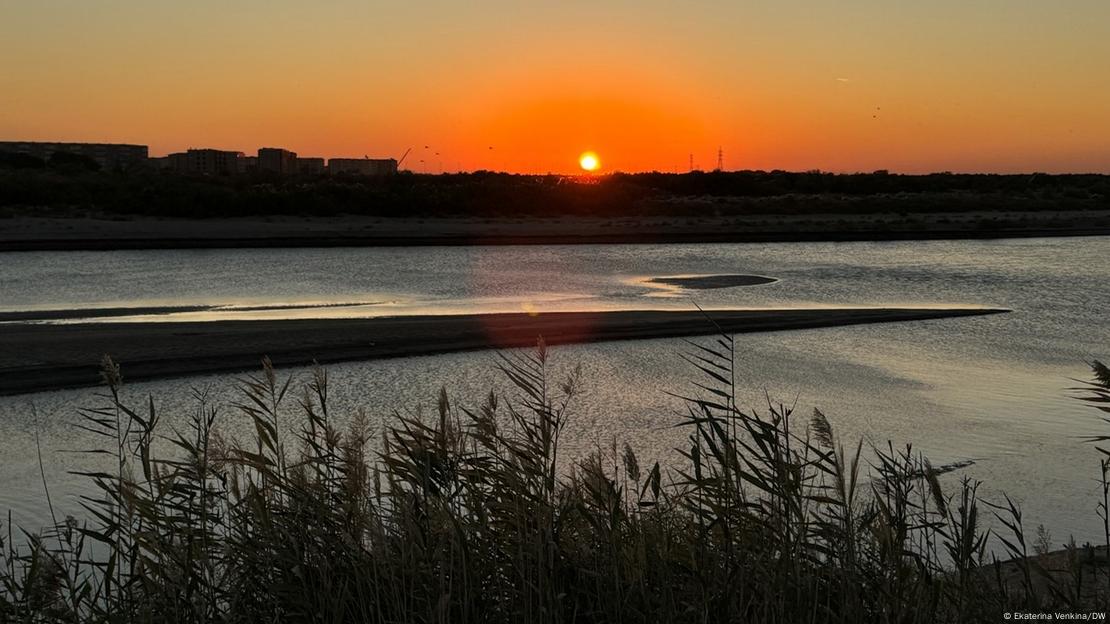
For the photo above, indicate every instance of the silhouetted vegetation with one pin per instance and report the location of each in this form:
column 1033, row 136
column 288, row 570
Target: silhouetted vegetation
column 471, row 515
column 10, row 160
column 68, row 162
column 486, row 194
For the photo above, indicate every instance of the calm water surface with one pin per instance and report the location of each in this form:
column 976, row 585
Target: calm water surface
column 992, row 389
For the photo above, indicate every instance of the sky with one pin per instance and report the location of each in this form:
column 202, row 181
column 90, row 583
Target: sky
column 836, row 85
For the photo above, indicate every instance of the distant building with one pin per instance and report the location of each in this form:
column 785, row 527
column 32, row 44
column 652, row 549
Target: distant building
column 277, row 160
column 113, row 156
column 363, row 166
column 248, row 163
column 311, row 165
column 175, row 162
column 205, row 161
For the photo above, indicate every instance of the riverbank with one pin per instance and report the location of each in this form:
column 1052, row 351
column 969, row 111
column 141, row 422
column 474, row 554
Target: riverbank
column 38, row 357
column 108, row 232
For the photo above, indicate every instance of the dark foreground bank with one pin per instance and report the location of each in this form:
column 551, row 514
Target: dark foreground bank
column 38, row 357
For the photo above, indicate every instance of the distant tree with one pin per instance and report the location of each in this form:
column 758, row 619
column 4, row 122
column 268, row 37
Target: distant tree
column 12, row 160
column 70, row 161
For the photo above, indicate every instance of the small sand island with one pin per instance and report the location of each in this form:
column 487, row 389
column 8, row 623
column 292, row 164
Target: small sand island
column 707, row 282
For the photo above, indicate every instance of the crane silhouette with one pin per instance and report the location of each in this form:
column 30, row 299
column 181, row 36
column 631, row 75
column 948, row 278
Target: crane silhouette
column 403, row 157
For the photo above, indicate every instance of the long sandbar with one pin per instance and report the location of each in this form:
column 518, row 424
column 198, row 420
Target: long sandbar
column 38, row 357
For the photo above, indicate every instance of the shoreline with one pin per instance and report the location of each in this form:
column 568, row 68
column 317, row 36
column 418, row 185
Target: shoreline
column 43, row 357
column 105, row 232
column 631, row 238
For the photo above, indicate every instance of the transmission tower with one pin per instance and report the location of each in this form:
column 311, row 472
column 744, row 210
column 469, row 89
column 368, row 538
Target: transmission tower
column 720, row 159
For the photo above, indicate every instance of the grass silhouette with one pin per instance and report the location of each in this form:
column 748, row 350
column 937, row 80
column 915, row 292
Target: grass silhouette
column 470, row 516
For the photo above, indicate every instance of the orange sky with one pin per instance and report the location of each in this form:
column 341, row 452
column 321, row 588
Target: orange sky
column 849, row 85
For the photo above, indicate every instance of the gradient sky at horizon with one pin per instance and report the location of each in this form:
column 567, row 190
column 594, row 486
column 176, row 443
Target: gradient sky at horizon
column 838, row 85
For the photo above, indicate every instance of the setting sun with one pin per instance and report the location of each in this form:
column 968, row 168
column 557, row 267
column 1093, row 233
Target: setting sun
column 589, row 161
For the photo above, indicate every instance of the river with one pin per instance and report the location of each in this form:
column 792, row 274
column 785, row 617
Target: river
column 992, row 389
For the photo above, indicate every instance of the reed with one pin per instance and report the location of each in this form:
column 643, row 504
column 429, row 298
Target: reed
column 470, row 515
